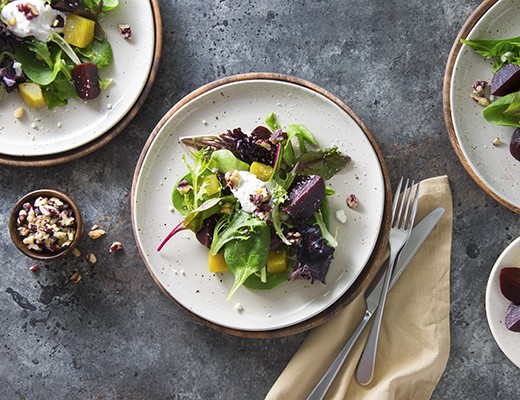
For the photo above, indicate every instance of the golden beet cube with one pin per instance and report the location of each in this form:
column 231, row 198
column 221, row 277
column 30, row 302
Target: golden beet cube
column 78, row 31
column 261, row 171
column 277, row 261
column 32, row 94
column 217, row 263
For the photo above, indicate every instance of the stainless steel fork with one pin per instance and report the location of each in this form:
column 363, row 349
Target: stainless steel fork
column 403, row 215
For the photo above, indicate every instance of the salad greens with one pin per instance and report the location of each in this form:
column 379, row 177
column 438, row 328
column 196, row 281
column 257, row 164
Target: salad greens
column 61, row 66
column 504, row 110
column 501, row 51
column 260, row 201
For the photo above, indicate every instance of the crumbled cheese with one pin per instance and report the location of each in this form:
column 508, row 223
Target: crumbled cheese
column 341, row 216
column 248, row 184
column 25, row 19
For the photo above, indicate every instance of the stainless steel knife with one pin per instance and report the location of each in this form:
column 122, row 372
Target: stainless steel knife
column 419, row 234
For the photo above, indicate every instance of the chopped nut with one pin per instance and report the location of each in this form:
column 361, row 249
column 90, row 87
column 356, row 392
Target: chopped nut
column 352, row 201
column 232, row 179
column 239, row 308
column 483, row 101
column 35, row 268
column 497, row 141
column 91, row 258
column 96, row 233
column 19, row 113
column 115, row 247
column 46, row 224
column 75, row 278
column 184, row 187
column 76, row 252
column 11, row 21
column 227, row 208
column 125, row 30
column 479, row 87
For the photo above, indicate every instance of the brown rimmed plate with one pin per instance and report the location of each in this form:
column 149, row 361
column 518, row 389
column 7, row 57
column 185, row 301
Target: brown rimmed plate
column 491, row 166
column 48, row 137
column 181, row 270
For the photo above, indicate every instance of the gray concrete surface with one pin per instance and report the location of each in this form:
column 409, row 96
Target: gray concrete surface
column 114, row 335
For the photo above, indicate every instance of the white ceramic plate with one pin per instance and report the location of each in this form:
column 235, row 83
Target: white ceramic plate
column 491, row 166
column 496, row 304
column 38, row 134
column 181, row 267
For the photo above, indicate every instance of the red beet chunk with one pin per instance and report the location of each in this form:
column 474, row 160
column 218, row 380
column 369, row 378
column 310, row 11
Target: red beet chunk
column 86, row 81
column 514, row 144
column 305, row 197
column 513, row 317
column 506, row 80
column 510, row 283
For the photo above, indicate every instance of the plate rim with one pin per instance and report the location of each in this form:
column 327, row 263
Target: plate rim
column 492, row 277
column 97, row 143
column 468, row 26
column 373, row 265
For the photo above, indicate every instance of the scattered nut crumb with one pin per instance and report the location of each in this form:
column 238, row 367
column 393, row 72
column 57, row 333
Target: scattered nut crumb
column 19, row 113
column 91, row 258
column 115, row 247
column 96, row 233
column 75, row 278
column 94, row 227
column 76, row 252
column 239, row 308
column 125, row 30
column 35, row 268
column 352, row 201
column 497, row 141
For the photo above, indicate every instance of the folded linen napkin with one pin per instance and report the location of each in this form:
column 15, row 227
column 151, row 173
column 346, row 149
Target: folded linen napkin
column 414, row 342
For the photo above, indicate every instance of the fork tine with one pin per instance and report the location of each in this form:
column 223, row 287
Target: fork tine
column 396, row 199
column 409, row 201
column 414, row 208
column 404, row 199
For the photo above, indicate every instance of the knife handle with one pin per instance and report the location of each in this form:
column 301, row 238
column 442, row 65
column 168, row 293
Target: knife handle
column 324, row 384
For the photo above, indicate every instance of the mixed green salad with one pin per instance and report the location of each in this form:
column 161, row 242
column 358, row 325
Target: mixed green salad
column 52, row 50
column 259, row 203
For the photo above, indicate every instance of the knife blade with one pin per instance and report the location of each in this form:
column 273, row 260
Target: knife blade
column 418, row 235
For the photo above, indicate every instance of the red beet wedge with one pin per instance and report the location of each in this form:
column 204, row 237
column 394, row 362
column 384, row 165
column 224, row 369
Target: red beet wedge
column 305, row 197
column 513, row 317
column 86, row 81
column 506, row 80
column 510, row 284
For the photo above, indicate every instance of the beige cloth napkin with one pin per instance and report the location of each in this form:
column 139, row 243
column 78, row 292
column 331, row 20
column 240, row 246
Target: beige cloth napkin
column 414, row 342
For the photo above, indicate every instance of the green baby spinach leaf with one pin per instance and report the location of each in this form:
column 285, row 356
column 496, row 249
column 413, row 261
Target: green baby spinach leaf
column 273, row 280
column 59, row 91
column 99, row 52
column 224, row 160
column 504, row 111
column 500, row 50
column 245, row 257
column 36, row 69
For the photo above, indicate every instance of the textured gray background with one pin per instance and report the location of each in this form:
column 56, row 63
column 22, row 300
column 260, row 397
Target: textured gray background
column 116, row 336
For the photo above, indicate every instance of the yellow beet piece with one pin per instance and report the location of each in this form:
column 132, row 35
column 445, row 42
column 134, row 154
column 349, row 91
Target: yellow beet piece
column 217, row 263
column 261, row 171
column 277, row 261
column 78, row 31
column 213, row 185
column 32, row 94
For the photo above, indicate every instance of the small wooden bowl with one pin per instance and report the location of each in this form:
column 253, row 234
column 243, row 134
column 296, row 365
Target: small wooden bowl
column 44, row 255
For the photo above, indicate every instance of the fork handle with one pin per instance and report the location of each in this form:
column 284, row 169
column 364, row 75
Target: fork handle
column 365, row 369
column 324, row 384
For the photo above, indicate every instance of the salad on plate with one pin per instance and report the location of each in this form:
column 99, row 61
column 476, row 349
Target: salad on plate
column 53, row 50
column 258, row 202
